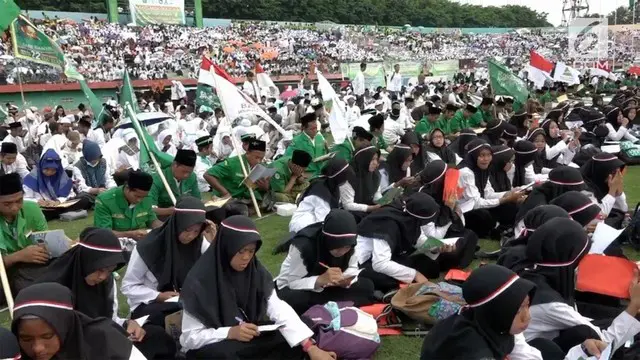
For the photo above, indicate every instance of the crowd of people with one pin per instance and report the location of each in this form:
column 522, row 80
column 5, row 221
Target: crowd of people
column 101, row 51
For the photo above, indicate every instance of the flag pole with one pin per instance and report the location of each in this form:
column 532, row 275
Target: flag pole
column 153, row 158
column 24, row 103
column 5, row 287
column 235, row 147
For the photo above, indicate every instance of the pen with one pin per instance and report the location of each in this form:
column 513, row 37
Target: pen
column 239, row 320
column 324, row 265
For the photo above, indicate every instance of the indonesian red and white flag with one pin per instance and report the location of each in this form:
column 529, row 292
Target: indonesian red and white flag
column 539, row 69
column 265, row 82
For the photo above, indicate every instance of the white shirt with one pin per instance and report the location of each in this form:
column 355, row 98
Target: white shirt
column 202, row 165
column 96, row 137
column 19, row 167
column 562, row 149
column 128, row 161
column 358, row 84
column 621, row 134
column 139, row 284
column 454, row 99
column 395, row 82
column 293, row 272
column 523, row 351
column 35, row 196
column 393, row 131
column 312, row 209
column 352, row 115
column 43, row 133
column 81, row 183
column 196, row 335
column 16, row 140
column 467, row 182
column 347, row 195
column 610, row 202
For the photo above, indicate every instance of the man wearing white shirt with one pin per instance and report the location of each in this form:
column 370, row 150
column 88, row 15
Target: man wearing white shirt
column 11, row 161
column 15, row 132
column 353, row 111
column 395, row 81
column 454, row 97
column 358, row 85
column 251, row 87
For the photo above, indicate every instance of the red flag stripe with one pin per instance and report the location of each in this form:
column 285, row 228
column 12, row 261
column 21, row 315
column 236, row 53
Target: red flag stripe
column 206, row 63
column 539, row 62
column 220, row 72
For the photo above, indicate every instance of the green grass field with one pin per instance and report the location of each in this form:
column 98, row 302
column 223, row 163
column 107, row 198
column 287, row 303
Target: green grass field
column 273, row 228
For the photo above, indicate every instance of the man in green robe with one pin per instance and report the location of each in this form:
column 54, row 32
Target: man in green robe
column 23, row 259
column 546, row 97
column 360, row 137
column 127, row 210
column 376, row 128
column 461, row 120
column 430, row 122
column 311, row 141
column 181, row 179
column 290, row 179
column 484, row 115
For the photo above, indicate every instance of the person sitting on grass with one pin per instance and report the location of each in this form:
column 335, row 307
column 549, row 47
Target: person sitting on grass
column 23, row 259
column 91, row 173
column 11, row 161
column 311, row 141
column 127, row 210
column 182, row 181
column 290, row 178
column 359, row 138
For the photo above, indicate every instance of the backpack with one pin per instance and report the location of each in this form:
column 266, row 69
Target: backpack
column 348, row 331
column 632, row 232
column 429, row 303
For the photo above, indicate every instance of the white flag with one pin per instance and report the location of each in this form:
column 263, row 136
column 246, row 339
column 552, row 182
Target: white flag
column 566, row 74
column 337, row 119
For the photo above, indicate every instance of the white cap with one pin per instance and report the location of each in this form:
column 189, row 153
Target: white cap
column 378, row 103
column 69, row 119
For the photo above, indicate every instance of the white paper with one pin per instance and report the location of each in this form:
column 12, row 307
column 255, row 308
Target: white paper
column 611, row 149
column 267, row 328
column 141, row 320
column 602, row 237
column 173, row 299
column 576, row 353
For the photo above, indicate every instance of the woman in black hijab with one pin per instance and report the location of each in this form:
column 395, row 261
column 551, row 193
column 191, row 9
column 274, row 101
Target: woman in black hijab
column 580, row 207
column 523, row 174
column 509, row 134
column 321, row 265
column 418, row 149
column 603, row 175
column 387, row 238
column 561, row 180
column 438, row 147
column 45, row 312
column 229, row 294
column 501, row 163
column 553, row 253
column 395, row 167
column 497, row 310
column 9, row 347
column 618, row 125
column 322, row 195
column 489, row 207
column 358, row 195
column 521, row 121
column 493, row 134
column 448, row 224
column 459, row 145
column 87, row 269
column 160, row 262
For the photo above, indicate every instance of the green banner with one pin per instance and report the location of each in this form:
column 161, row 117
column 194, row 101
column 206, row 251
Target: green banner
column 31, row 44
column 9, row 12
column 444, row 67
column 144, row 12
column 205, row 96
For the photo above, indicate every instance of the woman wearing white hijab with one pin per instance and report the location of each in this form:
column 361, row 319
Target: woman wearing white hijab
column 165, row 143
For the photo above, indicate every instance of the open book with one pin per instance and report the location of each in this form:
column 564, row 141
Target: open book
column 217, row 202
column 602, row 237
column 65, row 204
column 324, row 157
column 55, row 241
column 389, row 196
column 257, row 173
column 432, row 243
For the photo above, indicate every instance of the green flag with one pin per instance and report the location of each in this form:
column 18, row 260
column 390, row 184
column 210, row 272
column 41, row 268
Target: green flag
column 504, row 82
column 9, row 12
column 205, row 96
column 127, row 95
column 31, row 44
column 99, row 113
column 148, row 147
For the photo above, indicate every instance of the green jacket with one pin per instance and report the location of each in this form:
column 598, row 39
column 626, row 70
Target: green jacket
column 229, row 174
column 343, row 151
column 425, row 127
column 113, row 212
column 14, row 235
column 458, row 122
column 380, row 143
column 281, row 178
column 315, row 148
column 545, row 98
column 159, row 195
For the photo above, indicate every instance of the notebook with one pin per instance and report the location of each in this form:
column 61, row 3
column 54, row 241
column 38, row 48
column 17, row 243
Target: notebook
column 606, row 275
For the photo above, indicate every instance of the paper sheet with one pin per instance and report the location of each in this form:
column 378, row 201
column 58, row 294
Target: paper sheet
column 602, row 237
column 217, row 202
column 174, row 299
column 267, row 328
column 576, row 353
column 141, row 320
column 611, row 149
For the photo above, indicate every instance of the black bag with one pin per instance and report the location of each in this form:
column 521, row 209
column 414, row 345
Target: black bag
column 632, row 233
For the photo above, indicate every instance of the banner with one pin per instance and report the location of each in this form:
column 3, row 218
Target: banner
column 144, row 12
column 31, row 44
column 337, row 117
column 444, row 67
column 373, row 76
column 9, row 12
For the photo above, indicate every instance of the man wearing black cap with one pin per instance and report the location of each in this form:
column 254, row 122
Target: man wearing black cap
column 11, row 161
column 245, row 140
column 15, row 135
column 204, row 161
column 359, row 138
column 376, row 128
column 18, row 218
column 430, row 122
column 127, row 210
column 311, row 141
column 461, row 120
column 226, row 178
column 290, row 179
column 181, row 179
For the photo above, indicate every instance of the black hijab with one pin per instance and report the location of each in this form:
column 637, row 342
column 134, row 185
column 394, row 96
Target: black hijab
column 215, row 293
column 364, row 183
column 493, row 133
column 97, row 249
column 554, row 252
column 470, row 161
column 494, row 295
column 394, row 162
column 515, row 255
column 432, row 179
column 315, row 241
column 327, row 186
column 525, row 154
column 499, row 179
column 421, row 159
column 459, row 145
column 561, row 180
column 546, row 126
column 509, row 134
column 9, row 347
column 596, row 171
column 579, row 206
column 81, row 337
column 540, row 161
column 518, row 120
column 166, row 257
column 443, row 151
column 399, row 223
column 612, row 112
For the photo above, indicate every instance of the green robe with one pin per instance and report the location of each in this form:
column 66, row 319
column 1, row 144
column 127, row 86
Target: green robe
column 380, row 143
column 314, row 147
column 280, row 180
column 425, row 127
column 114, row 212
column 545, row 98
column 159, row 195
column 229, row 174
column 343, row 151
column 458, row 122
column 29, row 219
